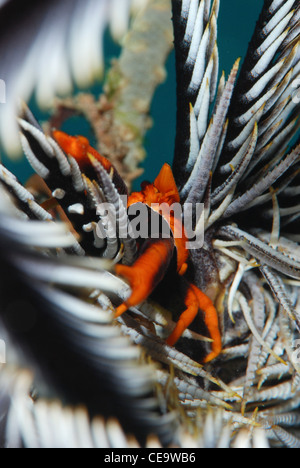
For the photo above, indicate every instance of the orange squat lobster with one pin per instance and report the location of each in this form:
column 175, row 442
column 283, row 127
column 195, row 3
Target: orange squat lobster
column 156, row 255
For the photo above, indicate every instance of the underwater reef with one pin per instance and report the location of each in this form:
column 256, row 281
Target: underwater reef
column 113, row 335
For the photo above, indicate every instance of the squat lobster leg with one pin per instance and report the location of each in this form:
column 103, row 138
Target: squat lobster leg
column 211, row 321
column 195, row 300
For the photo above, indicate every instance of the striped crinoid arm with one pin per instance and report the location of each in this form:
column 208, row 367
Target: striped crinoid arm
column 24, row 200
column 62, row 176
column 82, row 357
column 204, row 109
column 123, row 227
column 265, row 97
column 197, row 65
column 267, row 84
column 26, row 425
column 83, row 201
column 255, row 114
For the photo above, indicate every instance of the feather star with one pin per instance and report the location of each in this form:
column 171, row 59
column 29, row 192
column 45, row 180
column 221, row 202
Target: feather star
column 144, row 376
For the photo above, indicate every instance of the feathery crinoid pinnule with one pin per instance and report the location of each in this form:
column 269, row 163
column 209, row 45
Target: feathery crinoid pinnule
column 203, row 350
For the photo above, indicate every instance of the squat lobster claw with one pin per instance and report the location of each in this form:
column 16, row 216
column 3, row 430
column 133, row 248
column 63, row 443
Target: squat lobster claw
column 147, row 272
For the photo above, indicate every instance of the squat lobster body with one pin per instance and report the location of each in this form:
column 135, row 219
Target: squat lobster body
column 155, row 255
